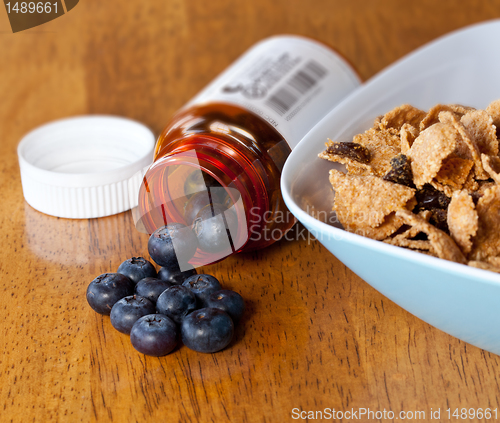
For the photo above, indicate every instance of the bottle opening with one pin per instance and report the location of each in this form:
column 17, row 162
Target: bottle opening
column 182, row 190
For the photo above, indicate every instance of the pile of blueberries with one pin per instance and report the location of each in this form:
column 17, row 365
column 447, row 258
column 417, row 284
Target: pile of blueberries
column 158, row 308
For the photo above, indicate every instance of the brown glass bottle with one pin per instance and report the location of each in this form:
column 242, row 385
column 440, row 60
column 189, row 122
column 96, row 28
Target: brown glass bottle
column 242, row 152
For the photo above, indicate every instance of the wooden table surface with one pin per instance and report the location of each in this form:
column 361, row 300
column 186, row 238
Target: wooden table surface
column 315, row 335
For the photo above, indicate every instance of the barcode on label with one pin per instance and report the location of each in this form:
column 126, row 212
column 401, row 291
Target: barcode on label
column 299, row 84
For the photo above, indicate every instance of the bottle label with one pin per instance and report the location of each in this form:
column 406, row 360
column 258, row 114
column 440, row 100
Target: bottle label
column 289, row 81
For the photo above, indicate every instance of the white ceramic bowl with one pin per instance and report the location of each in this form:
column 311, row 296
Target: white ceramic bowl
column 464, row 68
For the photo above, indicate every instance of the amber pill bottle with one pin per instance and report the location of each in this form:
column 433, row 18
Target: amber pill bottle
column 226, row 148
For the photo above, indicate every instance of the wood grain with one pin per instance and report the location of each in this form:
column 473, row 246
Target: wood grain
column 315, row 335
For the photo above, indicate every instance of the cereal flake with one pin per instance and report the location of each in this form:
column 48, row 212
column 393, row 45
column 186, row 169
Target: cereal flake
column 408, row 134
column 383, row 145
column 431, row 147
column 454, row 172
column 486, row 243
column 491, row 165
column 401, row 115
column 432, row 116
column 465, row 147
column 444, row 245
column 480, row 128
column 494, row 111
column 362, row 201
column 484, row 265
column 462, row 220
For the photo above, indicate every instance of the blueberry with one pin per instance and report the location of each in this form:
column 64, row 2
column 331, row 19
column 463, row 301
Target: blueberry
column 105, row 290
column 207, row 330
column 213, row 226
column 194, row 205
column 172, row 245
column 154, row 334
column 176, row 302
column 175, row 277
column 137, row 268
column 128, row 310
column 202, row 286
column 199, row 181
column 229, row 301
column 151, row 288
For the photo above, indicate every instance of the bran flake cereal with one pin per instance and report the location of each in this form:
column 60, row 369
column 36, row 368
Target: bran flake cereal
column 495, row 261
column 413, row 232
column 462, row 220
column 466, row 147
column 402, row 115
column 382, row 145
column 479, row 126
column 491, row 165
column 431, row 147
column 390, row 225
column 441, row 187
column 484, row 265
column 425, row 181
column 444, row 246
column 432, row 115
column 493, row 110
column 486, row 243
column 408, row 135
column 471, row 185
column 414, row 244
column 364, row 201
column 454, row 172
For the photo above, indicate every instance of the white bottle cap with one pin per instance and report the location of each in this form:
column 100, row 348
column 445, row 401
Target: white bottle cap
column 86, row 166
